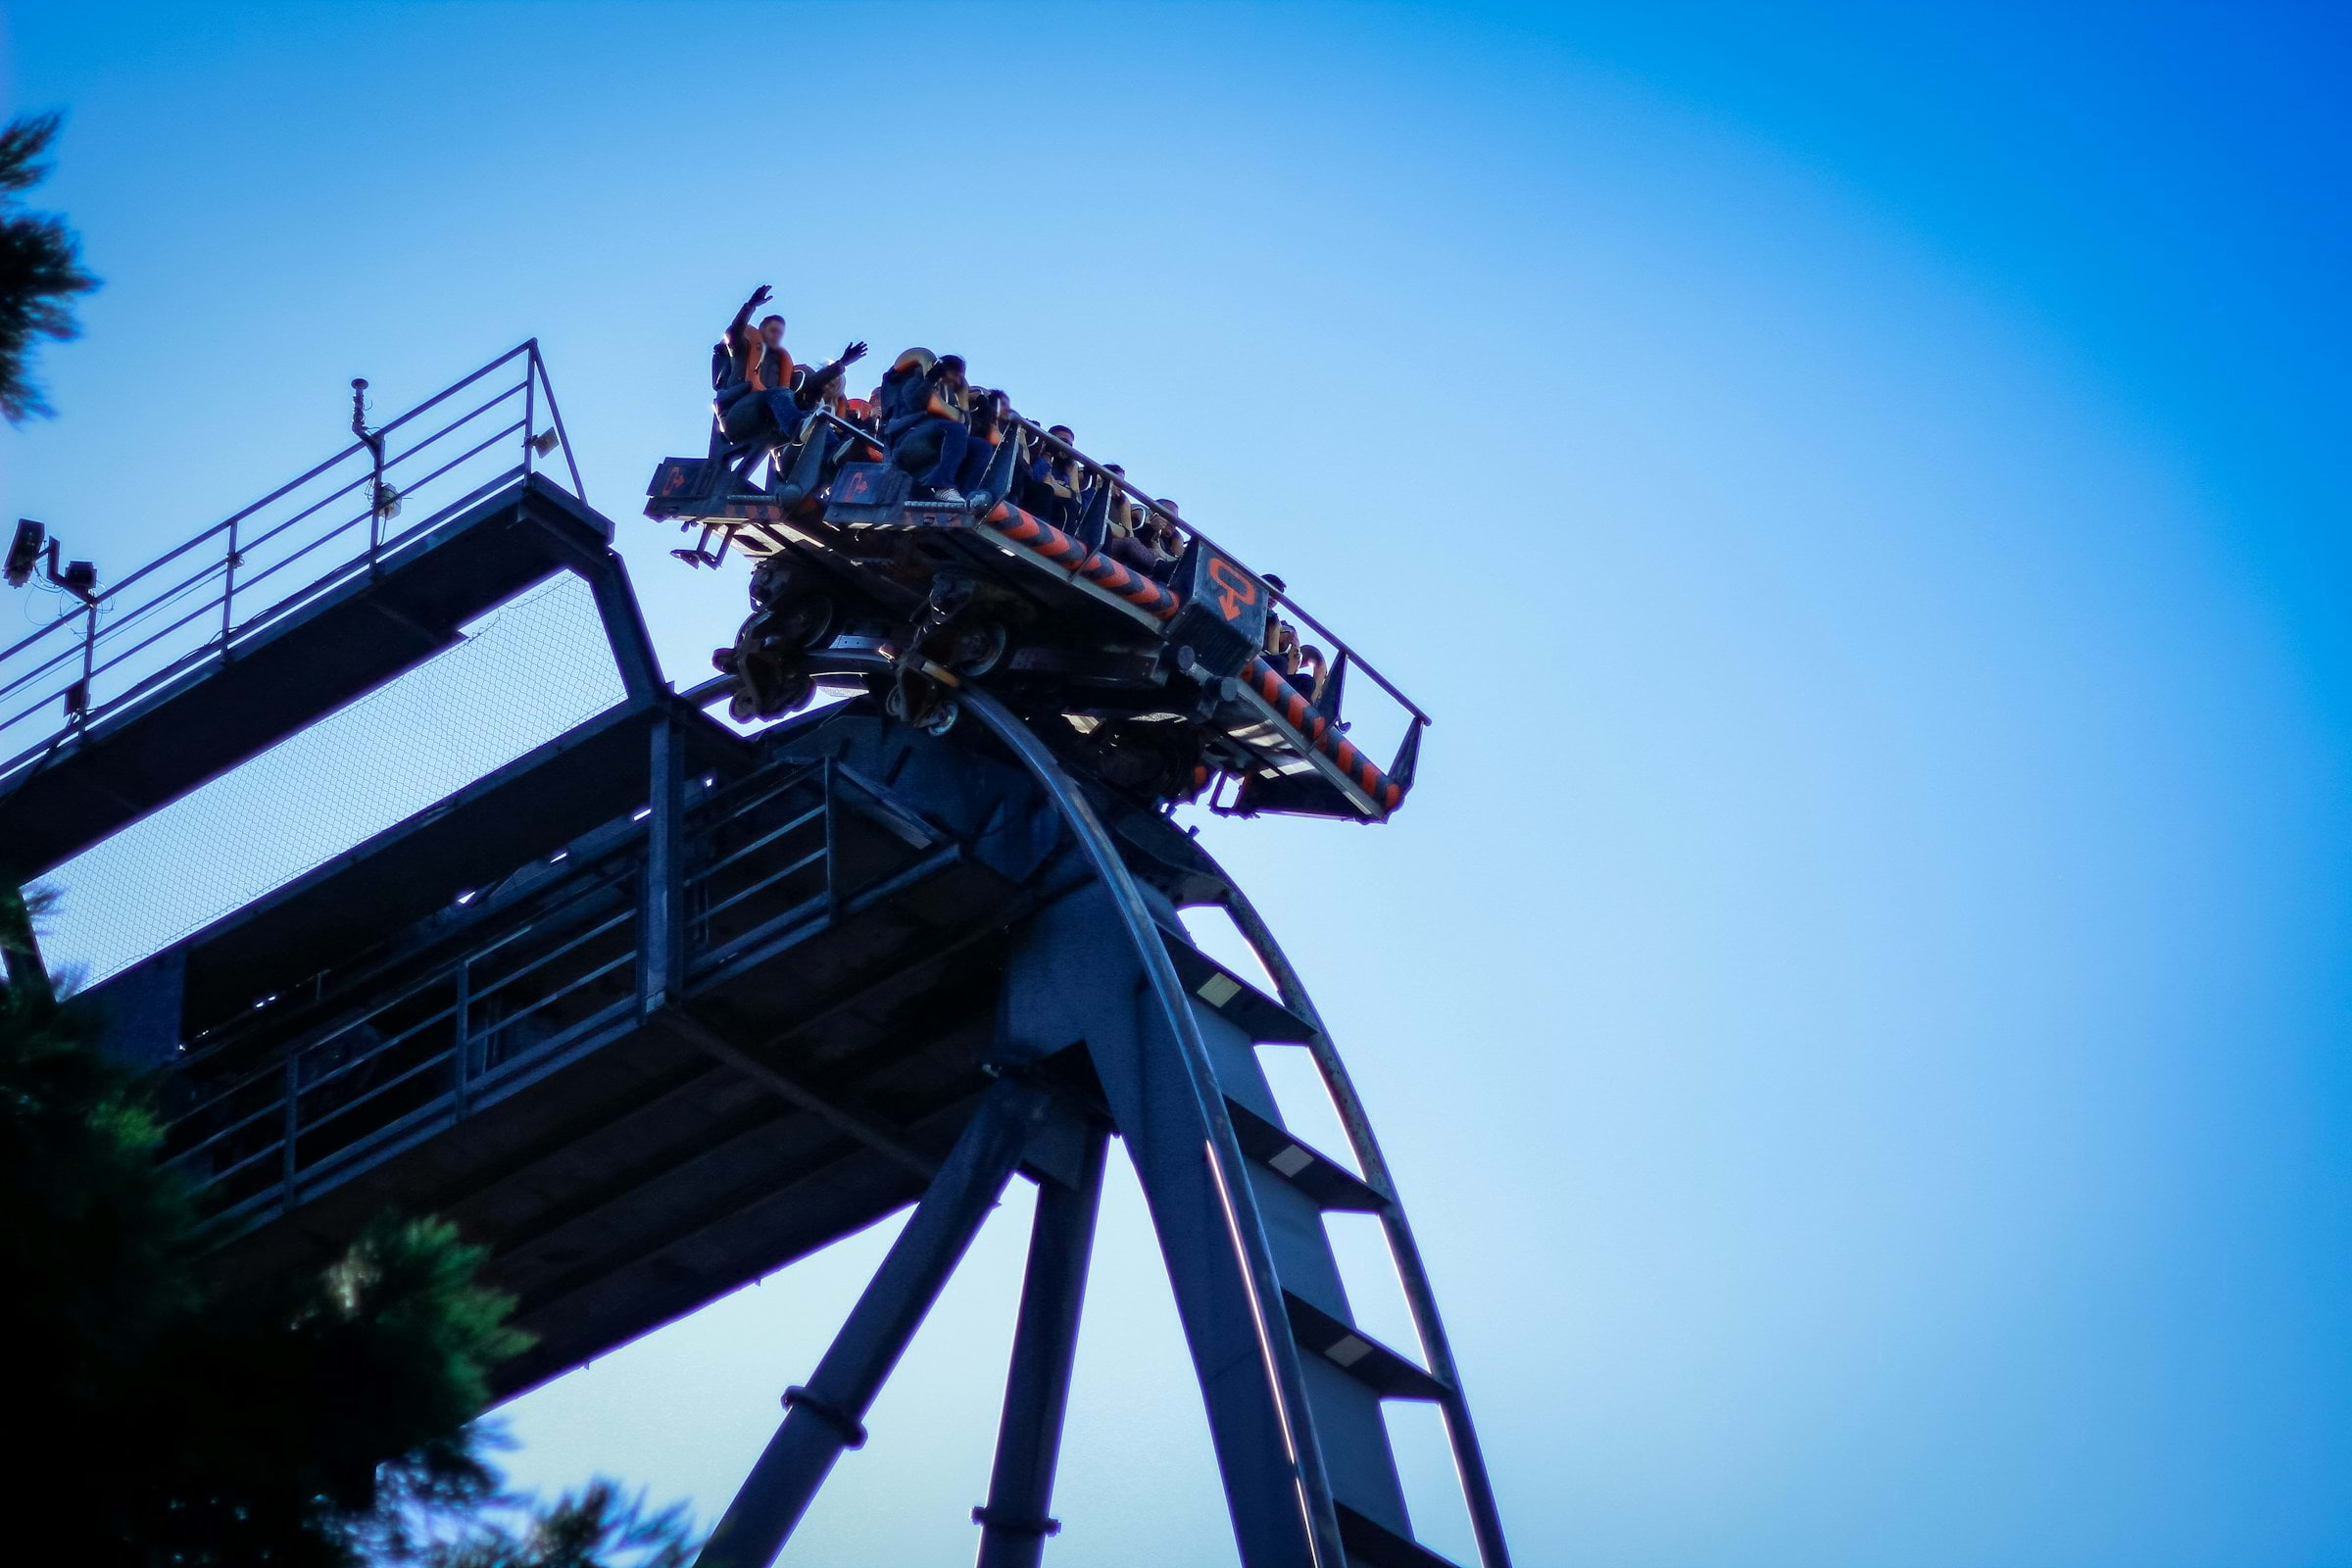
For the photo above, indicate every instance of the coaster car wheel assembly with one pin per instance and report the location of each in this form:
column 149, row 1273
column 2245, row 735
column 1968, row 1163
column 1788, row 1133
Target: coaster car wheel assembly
column 979, row 647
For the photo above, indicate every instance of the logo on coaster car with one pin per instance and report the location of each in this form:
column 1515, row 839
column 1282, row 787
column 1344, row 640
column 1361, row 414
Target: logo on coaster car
column 1237, row 590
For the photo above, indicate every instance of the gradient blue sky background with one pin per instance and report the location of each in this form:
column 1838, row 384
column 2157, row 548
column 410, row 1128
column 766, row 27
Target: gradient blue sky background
column 1857, row 1002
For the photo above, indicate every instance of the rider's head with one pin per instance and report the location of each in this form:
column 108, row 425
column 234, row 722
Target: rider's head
column 772, row 331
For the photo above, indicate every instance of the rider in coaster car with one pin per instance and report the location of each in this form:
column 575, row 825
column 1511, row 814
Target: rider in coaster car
column 754, row 376
column 1119, row 539
column 928, row 425
column 1163, row 538
column 899, row 400
column 865, row 414
column 991, row 427
column 821, row 388
column 1051, row 482
column 748, row 367
column 1282, row 648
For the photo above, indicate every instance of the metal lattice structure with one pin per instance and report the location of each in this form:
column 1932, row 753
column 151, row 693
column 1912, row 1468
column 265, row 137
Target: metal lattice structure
column 660, row 1006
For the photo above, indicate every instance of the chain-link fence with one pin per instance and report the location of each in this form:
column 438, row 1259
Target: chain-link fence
column 526, row 672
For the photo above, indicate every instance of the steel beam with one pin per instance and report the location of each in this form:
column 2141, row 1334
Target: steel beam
column 1017, row 1519
column 882, row 1139
column 1158, row 1077
column 1470, row 1461
column 828, row 1414
column 661, row 956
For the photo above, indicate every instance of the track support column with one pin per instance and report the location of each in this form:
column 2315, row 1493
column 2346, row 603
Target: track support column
column 829, row 1415
column 661, row 923
column 1016, row 1520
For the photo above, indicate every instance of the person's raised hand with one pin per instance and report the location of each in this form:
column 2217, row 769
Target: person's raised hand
column 852, row 354
column 761, row 295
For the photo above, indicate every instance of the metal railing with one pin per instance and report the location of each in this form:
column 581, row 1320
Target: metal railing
column 403, row 1053
column 761, row 851
column 181, row 612
column 769, row 852
column 277, row 1101
column 1341, row 658
column 1342, row 654
column 1399, row 726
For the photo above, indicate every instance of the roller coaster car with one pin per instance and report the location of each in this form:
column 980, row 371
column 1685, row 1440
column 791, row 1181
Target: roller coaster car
column 1156, row 688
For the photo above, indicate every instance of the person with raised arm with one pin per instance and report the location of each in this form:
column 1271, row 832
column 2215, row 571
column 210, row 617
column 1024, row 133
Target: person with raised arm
column 753, row 376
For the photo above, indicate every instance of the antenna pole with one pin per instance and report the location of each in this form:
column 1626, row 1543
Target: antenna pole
column 373, row 441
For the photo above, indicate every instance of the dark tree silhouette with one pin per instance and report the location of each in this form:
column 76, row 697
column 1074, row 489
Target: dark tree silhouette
column 598, row 1527
column 160, row 1420
column 40, row 268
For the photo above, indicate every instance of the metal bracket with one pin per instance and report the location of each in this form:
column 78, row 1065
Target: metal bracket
column 1015, row 1527
column 852, row 1429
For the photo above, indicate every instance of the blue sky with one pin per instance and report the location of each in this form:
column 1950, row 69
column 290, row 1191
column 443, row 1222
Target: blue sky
column 1856, row 1001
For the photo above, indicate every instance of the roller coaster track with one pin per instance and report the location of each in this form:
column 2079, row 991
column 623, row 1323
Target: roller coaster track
column 1274, row 1431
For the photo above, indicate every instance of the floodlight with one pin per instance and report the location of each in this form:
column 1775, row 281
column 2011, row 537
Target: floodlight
column 25, row 552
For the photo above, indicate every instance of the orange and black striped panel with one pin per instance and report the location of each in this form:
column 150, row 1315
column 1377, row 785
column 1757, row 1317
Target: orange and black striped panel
column 1042, row 537
column 1300, row 713
column 1038, row 535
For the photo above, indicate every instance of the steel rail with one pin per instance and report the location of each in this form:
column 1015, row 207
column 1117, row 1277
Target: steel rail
column 600, row 875
column 705, row 871
column 555, row 416
column 1029, row 426
column 286, row 489
column 1478, row 1488
column 533, row 965
column 1281, row 595
column 702, row 916
column 1322, row 1541
column 215, row 648
column 78, row 628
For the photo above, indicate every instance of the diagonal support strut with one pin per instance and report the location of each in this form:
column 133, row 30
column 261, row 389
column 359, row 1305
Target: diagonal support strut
column 827, row 1415
column 1016, row 1520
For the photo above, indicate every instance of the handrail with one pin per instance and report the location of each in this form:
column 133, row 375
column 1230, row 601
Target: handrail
column 263, row 1096
column 493, row 914
column 1031, row 427
column 67, row 658
column 1412, row 1275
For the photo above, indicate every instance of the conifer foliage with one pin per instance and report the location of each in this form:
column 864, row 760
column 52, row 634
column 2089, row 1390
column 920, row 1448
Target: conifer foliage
column 176, row 1423
column 328, row 1421
column 160, row 1420
column 40, row 268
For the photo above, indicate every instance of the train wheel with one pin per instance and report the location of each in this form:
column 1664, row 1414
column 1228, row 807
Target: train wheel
column 789, row 694
column 769, row 580
column 942, row 718
column 982, row 647
column 808, row 623
column 912, row 699
column 743, row 706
